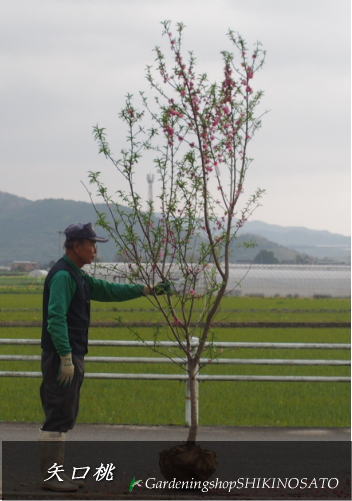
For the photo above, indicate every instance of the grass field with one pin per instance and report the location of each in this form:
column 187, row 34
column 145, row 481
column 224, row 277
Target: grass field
column 162, row 402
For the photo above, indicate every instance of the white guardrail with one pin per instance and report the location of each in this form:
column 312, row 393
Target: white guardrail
column 183, row 361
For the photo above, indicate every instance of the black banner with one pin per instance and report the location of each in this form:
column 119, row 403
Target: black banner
column 170, row 470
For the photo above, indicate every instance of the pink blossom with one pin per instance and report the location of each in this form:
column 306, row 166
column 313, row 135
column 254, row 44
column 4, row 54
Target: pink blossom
column 177, row 322
column 195, row 100
column 226, row 110
column 175, row 113
column 192, row 145
column 249, row 89
column 250, row 72
column 192, row 292
column 169, row 130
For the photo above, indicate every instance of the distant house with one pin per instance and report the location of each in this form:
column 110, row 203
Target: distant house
column 24, row 266
column 38, row 273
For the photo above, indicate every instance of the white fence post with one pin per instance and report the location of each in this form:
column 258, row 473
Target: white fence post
column 194, row 346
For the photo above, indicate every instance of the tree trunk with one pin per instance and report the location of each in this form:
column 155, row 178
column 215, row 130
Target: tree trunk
column 192, row 375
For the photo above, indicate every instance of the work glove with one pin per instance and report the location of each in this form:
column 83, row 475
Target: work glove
column 66, row 369
column 164, row 287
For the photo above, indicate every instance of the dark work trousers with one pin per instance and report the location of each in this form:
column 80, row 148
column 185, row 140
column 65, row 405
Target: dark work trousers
column 60, row 402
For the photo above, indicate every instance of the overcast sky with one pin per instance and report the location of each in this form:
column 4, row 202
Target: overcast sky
column 67, row 65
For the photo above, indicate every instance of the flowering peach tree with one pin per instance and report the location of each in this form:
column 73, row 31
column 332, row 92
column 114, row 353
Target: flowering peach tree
column 193, row 135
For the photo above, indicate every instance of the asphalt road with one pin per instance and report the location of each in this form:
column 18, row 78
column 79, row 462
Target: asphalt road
column 30, row 431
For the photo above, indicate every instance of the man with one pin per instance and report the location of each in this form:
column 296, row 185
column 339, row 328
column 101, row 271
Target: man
column 66, row 315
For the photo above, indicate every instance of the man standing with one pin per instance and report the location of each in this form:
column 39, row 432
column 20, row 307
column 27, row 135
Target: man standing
column 66, row 316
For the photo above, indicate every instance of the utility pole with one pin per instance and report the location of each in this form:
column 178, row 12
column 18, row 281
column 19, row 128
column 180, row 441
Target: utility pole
column 60, row 233
column 150, row 181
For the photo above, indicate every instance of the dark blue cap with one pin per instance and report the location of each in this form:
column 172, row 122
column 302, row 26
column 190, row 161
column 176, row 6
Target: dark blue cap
column 81, row 231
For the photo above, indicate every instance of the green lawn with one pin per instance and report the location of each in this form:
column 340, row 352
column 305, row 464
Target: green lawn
column 221, row 403
column 27, row 307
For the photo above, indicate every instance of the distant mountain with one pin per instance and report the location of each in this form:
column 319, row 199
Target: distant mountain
column 10, row 202
column 244, row 253
column 317, row 243
column 32, row 230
